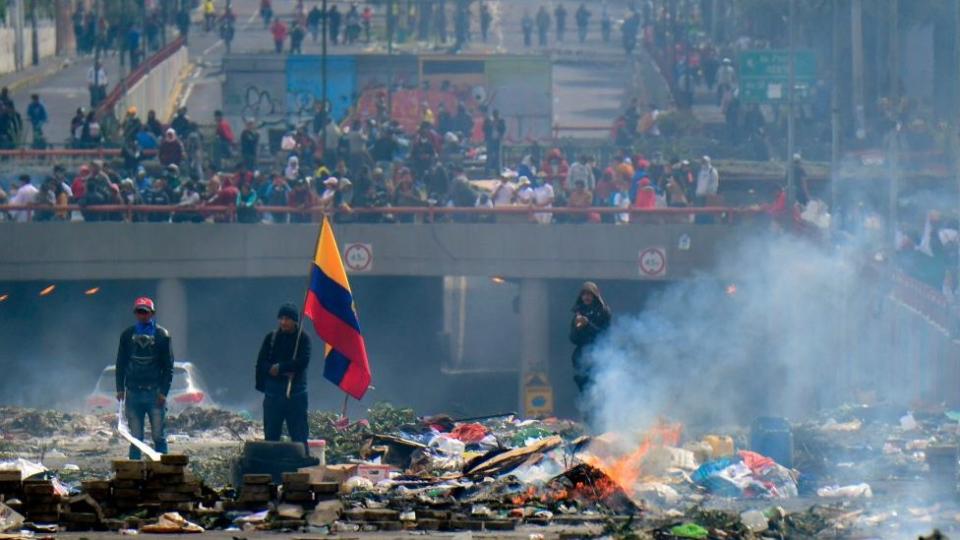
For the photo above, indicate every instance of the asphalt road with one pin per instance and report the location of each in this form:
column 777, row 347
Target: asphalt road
column 589, row 79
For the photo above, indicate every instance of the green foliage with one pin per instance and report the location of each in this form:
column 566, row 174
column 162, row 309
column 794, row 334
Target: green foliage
column 344, row 444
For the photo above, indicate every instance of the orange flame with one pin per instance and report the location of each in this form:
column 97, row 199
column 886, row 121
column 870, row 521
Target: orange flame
column 91, row 292
column 627, row 469
column 48, row 290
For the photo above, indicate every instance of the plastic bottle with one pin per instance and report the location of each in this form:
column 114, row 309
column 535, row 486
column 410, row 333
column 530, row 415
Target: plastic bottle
column 754, row 521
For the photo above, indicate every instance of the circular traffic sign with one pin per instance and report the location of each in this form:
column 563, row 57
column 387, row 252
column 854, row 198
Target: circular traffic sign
column 653, row 262
column 358, row 257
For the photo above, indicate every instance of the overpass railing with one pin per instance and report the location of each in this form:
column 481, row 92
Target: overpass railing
column 425, row 214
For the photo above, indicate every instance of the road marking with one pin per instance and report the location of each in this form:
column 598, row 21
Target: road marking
column 219, row 42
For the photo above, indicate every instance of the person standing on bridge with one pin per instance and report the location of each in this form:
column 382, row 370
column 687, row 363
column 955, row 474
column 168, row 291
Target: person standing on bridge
column 183, row 23
column 144, row 374
column 209, row 15
column 708, row 182
column 314, row 16
column 526, row 24
column 37, row 114
column 485, row 19
column 97, row 83
column 266, row 12
column 333, row 23
column 543, row 25
column 583, row 22
column 591, row 318
column 279, row 32
column 560, row 14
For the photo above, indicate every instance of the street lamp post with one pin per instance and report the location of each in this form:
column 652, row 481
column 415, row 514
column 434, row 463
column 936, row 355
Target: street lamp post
column 791, row 84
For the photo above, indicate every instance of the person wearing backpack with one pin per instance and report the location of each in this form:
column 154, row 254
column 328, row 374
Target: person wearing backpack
column 281, row 376
column 144, row 375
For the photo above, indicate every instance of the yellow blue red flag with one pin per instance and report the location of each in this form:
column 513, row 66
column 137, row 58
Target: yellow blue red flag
column 330, row 306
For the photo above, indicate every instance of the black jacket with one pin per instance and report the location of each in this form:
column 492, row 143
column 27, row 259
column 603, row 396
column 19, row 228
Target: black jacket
column 598, row 318
column 277, row 348
column 145, row 363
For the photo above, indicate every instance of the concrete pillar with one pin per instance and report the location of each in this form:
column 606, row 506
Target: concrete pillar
column 172, row 313
column 534, row 334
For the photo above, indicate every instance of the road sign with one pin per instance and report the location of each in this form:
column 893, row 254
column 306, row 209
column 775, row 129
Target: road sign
column 358, row 257
column 764, row 75
column 653, row 262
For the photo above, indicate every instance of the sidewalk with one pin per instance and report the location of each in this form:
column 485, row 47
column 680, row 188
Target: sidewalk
column 32, row 75
column 62, row 88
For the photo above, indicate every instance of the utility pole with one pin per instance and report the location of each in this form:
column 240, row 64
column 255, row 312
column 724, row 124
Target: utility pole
column 323, row 91
column 20, row 43
column 835, row 110
column 391, row 26
column 323, row 68
column 34, row 38
column 894, row 39
column 856, row 34
column 791, row 91
column 956, row 118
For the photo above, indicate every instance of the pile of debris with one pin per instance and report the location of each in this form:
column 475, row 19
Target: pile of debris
column 396, row 472
column 214, row 423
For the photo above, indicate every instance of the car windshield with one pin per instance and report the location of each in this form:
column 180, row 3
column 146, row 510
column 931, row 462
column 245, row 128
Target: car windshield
column 181, row 380
column 108, row 381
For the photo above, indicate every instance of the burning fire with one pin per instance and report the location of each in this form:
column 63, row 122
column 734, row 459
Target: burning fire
column 627, row 469
column 48, row 290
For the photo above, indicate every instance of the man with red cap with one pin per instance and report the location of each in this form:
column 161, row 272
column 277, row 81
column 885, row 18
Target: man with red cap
column 144, row 375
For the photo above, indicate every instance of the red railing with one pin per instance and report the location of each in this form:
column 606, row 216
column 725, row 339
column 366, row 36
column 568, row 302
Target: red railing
column 924, row 299
column 107, row 105
column 229, row 213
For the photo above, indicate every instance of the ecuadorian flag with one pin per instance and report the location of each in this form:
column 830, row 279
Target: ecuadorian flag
column 330, row 306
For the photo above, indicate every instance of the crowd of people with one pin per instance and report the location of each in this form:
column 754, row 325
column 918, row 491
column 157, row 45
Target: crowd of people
column 326, row 167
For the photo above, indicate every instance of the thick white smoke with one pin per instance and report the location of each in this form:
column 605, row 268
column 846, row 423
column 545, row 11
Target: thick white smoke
column 782, row 332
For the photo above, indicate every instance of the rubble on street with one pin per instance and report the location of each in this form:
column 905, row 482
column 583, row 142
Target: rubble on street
column 856, row 472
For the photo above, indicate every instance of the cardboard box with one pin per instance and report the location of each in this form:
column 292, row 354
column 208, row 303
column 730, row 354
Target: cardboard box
column 340, row 473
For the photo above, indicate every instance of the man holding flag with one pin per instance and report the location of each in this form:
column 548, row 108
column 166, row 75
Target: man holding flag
column 285, row 353
column 281, row 376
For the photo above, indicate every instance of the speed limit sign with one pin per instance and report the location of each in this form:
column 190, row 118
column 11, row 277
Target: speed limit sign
column 358, row 257
column 653, row 262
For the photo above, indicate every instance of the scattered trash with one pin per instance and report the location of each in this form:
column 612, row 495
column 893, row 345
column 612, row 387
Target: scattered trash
column 848, row 492
column 171, row 523
column 690, row 530
column 9, row 518
column 754, row 520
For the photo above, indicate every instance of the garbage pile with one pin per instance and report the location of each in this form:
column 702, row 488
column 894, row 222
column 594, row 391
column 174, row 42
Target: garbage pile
column 842, row 475
column 214, row 423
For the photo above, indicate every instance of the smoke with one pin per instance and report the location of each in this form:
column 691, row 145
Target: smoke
column 767, row 332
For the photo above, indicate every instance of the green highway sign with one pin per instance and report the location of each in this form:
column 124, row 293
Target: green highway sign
column 764, row 75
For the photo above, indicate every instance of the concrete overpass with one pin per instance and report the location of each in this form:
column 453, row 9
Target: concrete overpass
column 74, row 251
column 527, row 254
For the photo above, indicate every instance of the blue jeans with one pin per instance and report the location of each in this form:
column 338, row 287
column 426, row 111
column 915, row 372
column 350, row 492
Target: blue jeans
column 140, row 403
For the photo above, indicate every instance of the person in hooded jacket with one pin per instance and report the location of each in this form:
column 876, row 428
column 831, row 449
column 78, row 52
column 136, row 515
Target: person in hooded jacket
column 591, row 318
column 281, row 375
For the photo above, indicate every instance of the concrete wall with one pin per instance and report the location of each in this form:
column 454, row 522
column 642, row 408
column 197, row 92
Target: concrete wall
column 47, row 41
column 72, row 251
column 156, row 90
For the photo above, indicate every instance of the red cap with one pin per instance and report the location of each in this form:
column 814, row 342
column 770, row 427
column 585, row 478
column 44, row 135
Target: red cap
column 144, row 303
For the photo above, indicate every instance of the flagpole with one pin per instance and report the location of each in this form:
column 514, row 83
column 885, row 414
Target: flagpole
column 303, row 305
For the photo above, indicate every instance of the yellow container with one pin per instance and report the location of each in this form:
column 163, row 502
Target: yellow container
column 721, row 446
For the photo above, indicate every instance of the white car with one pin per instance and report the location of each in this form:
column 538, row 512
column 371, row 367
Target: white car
column 185, row 391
